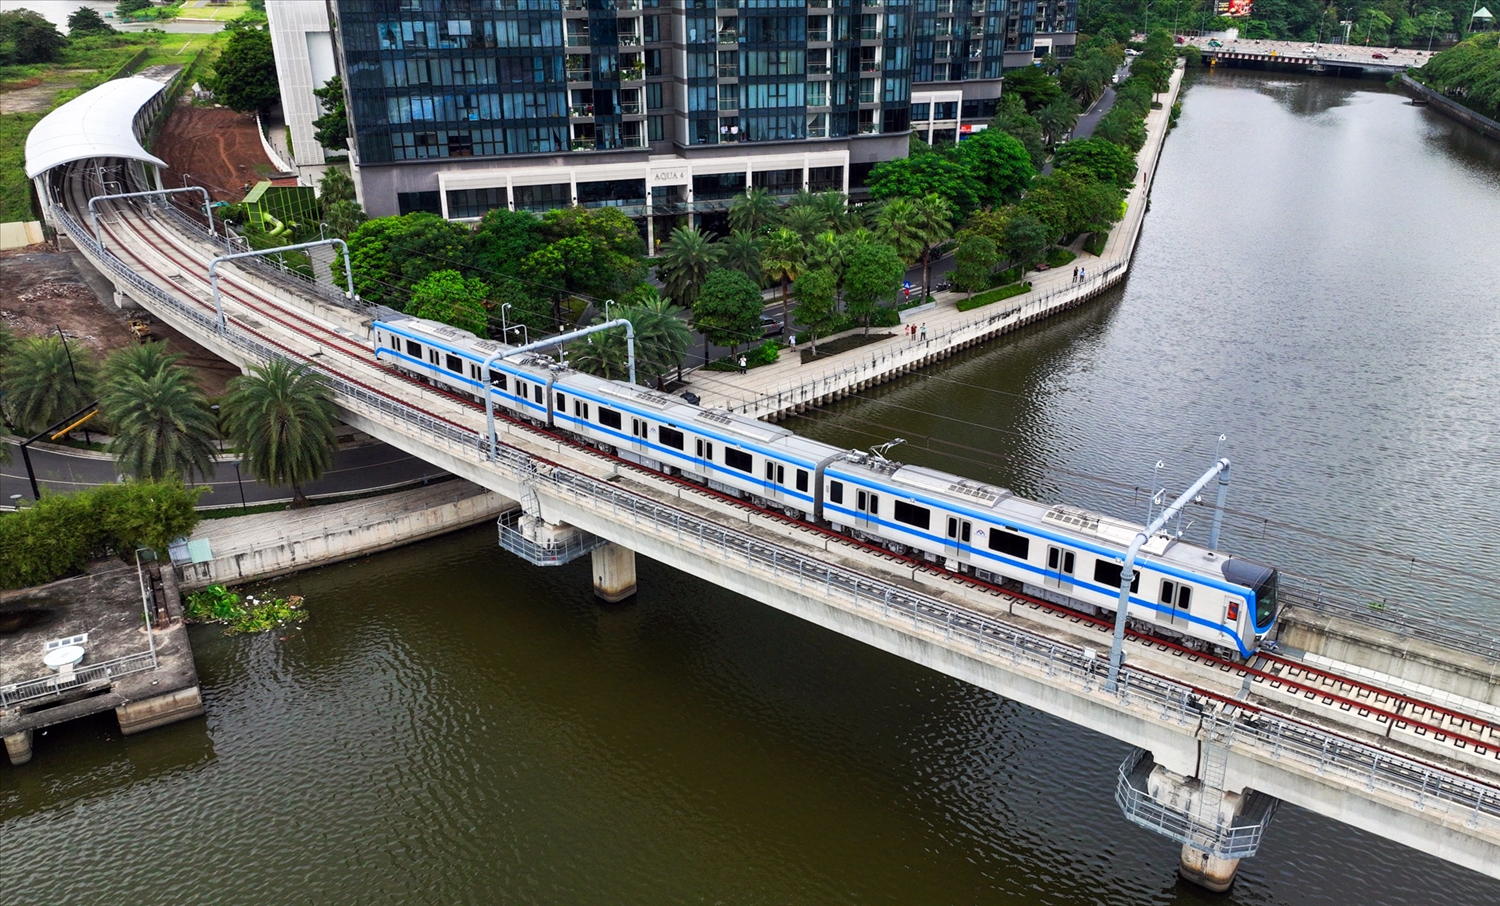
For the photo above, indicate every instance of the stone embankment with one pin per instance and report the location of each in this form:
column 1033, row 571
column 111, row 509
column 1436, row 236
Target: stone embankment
column 787, row 387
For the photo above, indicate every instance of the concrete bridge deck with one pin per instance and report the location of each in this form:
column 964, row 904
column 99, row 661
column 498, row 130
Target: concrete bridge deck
column 1353, row 750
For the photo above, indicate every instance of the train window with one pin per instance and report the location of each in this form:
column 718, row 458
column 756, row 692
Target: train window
column 1067, row 562
column 609, row 418
column 455, row 364
column 474, row 372
column 562, row 403
column 963, row 534
column 770, row 470
column 738, row 459
column 705, row 449
column 862, row 501
column 781, row 474
column 637, row 428
column 414, row 349
column 1168, row 591
column 874, row 504
column 1184, row 597
column 802, row 479
column 432, row 356
column 538, row 393
column 917, row 516
column 835, row 492
column 499, row 379
column 1013, row 545
column 670, row 437
column 1108, row 574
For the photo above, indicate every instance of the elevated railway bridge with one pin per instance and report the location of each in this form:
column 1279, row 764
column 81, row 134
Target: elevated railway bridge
column 1374, row 726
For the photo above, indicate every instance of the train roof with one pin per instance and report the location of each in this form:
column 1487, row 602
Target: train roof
column 455, row 336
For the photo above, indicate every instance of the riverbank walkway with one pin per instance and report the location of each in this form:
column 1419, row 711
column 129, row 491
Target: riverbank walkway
column 788, row 386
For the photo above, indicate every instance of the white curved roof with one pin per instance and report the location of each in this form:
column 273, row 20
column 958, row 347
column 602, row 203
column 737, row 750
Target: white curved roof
column 98, row 123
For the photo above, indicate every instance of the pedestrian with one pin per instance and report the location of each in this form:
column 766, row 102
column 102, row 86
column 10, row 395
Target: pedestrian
column 1083, row 274
column 924, row 331
column 742, row 364
column 794, row 342
column 1075, row 275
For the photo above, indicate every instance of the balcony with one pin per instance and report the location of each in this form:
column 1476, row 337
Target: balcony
column 576, row 6
column 729, row 36
column 627, row 4
column 729, row 72
column 729, row 103
column 630, row 40
column 581, row 144
column 580, row 110
column 579, row 75
column 631, row 108
column 815, row 35
column 817, row 69
column 869, row 34
column 632, row 74
column 868, row 128
column 869, row 65
column 578, row 40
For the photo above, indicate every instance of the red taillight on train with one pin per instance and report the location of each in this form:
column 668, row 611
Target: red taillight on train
column 1234, row 611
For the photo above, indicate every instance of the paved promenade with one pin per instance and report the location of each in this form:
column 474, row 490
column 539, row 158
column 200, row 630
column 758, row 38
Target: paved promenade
column 788, row 386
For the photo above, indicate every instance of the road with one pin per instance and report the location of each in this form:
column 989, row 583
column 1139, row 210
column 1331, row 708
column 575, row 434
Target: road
column 355, row 470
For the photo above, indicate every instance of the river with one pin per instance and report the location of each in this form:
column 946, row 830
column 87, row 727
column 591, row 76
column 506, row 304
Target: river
column 1316, row 279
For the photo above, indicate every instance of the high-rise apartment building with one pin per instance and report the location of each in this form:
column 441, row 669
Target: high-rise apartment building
column 663, row 108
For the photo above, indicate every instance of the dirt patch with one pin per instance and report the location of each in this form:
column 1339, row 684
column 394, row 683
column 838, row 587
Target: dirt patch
column 46, row 290
column 213, row 147
column 37, row 95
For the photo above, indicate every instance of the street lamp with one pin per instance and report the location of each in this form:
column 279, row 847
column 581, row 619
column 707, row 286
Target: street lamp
column 504, row 329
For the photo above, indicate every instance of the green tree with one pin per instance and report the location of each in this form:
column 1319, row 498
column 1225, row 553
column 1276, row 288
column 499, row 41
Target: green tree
column 244, row 76
column 897, row 227
column 504, row 239
column 42, row 385
column 932, row 173
column 127, row 7
column 817, row 304
column 160, row 423
column 872, row 275
column 1103, row 160
column 1025, row 237
column 742, row 250
column 281, row 418
column 754, row 211
column 84, row 21
column 728, row 310
column 782, row 258
column 26, row 37
column 448, row 297
column 804, row 221
column 1013, row 120
column 686, row 260
column 336, row 201
column 662, row 338
column 975, row 258
column 998, row 164
column 392, row 254
column 1033, row 86
column 604, row 256
column 335, row 185
column 331, row 130
column 934, row 222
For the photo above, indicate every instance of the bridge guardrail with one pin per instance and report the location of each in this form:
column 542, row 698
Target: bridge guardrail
column 1269, row 735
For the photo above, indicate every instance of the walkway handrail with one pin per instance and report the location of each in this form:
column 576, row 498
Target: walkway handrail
column 213, row 268
column 1266, row 734
column 94, row 212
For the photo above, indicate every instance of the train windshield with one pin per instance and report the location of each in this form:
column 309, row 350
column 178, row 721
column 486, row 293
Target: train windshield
column 1262, row 580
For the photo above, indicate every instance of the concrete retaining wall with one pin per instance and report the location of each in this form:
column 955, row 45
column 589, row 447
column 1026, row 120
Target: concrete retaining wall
column 266, row 545
column 1451, row 108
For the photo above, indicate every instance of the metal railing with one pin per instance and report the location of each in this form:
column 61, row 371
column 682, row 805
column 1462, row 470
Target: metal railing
column 1236, row 840
column 895, row 358
column 1448, row 630
column 539, row 553
column 80, row 677
column 1255, row 732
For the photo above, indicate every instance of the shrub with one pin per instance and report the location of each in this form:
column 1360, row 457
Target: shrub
column 766, row 353
column 1094, row 245
column 994, row 295
column 1059, row 257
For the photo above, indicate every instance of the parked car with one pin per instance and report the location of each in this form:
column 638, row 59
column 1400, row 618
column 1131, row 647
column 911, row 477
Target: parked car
column 1379, row 56
column 770, row 327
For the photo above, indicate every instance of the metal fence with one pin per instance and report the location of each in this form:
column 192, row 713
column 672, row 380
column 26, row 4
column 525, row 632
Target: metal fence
column 78, row 678
column 1237, row 840
column 1448, row 630
column 1256, row 732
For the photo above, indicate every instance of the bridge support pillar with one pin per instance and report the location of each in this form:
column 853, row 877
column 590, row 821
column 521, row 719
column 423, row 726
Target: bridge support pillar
column 614, row 572
column 1207, row 870
column 18, row 747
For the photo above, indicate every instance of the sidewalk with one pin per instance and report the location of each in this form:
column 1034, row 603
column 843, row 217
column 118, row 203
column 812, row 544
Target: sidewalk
column 788, row 386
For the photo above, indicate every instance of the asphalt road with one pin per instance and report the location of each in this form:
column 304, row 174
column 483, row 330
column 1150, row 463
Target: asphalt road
column 355, row 470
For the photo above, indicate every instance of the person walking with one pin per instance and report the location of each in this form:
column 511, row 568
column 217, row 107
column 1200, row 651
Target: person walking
column 924, row 331
column 1075, row 275
column 742, row 364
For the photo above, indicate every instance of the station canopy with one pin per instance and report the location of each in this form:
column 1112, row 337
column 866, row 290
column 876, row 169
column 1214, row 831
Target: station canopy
column 98, row 123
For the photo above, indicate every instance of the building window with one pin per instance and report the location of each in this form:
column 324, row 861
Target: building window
column 778, row 182
column 655, row 129
column 824, row 179
column 415, row 202
column 539, row 199
column 612, row 193
column 463, row 203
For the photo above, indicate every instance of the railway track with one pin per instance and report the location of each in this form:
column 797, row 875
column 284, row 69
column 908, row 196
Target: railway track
column 1276, row 679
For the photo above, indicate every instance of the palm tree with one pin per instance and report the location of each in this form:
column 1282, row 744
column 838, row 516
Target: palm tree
column 805, row 220
column 280, row 417
column 755, row 211
column 43, row 382
column 662, row 335
column 162, row 426
column 742, row 253
column 932, row 219
column 1058, row 118
column 896, row 226
column 836, row 211
column 685, row 262
column 783, row 258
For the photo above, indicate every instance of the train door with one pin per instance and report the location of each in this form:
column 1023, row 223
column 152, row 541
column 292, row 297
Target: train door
column 868, row 505
column 1060, row 565
column 638, row 431
column 957, row 539
column 775, row 482
column 1174, row 602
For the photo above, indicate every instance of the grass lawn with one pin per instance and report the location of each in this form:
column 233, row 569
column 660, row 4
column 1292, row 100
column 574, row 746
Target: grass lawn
column 828, row 348
column 994, row 295
column 15, row 199
column 220, row 13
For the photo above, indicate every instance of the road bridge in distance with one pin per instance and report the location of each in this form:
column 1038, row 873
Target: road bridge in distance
column 1406, row 747
column 1338, row 59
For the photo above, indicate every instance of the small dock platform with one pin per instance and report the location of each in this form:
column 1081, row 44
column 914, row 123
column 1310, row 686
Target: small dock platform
column 147, row 678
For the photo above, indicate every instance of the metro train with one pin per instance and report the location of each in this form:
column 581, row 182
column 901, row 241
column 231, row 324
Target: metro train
column 1062, row 554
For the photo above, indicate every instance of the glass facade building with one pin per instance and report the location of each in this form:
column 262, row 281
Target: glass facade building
column 441, row 92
